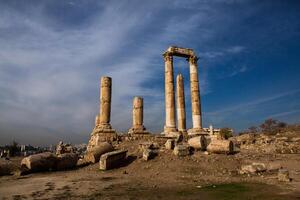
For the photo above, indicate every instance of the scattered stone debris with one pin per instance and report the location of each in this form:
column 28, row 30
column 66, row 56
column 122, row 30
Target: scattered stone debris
column 285, row 143
column 170, row 144
column 148, row 154
column 64, row 148
column 6, row 167
column 94, row 154
column 181, row 150
column 112, row 159
column 254, row 168
column 147, row 145
column 283, row 175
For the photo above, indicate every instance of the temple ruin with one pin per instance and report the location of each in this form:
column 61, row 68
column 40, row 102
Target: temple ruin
column 170, row 128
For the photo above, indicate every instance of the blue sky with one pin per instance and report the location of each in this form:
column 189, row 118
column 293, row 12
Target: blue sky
column 52, row 54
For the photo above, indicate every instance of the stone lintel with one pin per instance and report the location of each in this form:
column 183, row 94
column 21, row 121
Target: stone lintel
column 180, row 51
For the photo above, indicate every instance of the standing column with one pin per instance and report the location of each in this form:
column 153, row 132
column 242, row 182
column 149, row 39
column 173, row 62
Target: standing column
column 180, row 103
column 105, row 102
column 137, row 113
column 195, row 94
column 137, row 116
column 170, row 125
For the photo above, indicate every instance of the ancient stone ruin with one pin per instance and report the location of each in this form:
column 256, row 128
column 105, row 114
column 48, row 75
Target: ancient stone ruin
column 137, row 117
column 170, row 128
column 103, row 130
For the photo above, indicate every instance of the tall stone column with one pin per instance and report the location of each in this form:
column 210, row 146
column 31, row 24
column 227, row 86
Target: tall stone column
column 137, row 117
column 195, row 95
column 170, row 124
column 105, row 102
column 103, row 130
column 180, row 103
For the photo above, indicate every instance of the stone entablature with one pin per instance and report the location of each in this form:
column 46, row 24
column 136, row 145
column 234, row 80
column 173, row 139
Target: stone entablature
column 181, row 52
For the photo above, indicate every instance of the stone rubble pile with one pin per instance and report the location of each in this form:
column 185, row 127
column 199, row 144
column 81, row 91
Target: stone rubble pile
column 280, row 143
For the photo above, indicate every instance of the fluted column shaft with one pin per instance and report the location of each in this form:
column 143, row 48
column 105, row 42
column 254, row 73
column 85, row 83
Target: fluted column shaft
column 180, row 103
column 195, row 93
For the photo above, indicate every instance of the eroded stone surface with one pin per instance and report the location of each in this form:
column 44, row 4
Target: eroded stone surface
column 138, row 117
column 103, row 130
column 180, row 100
column 112, row 159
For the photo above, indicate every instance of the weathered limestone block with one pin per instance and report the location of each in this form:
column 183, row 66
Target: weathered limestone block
column 100, row 136
column 198, row 142
column 66, row 161
column 180, row 102
column 148, row 154
column 94, row 154
column 137, row 117
column 112, row 159
column 283, row 175
column 253, row 168
column 221, row 146
column 147, row 145
column 39, row 162
column 6, row 167
column 170, row 144
column 181, row 150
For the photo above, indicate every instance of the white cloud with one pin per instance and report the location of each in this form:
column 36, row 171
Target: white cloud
column 51, row 77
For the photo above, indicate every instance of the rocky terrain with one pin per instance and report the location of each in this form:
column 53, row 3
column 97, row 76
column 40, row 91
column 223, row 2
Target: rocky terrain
column 251, row 173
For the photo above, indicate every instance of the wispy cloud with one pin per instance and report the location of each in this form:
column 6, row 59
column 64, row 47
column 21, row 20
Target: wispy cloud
column 49, row 76
column 255, row 102
column 283, row 114
column 54, row 52
column 244, row 110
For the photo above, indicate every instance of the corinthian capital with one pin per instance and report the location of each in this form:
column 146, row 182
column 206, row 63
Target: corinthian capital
column 168, row 57
column 193, row 60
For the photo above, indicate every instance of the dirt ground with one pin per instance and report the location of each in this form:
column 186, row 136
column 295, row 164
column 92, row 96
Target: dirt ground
column 198, row 176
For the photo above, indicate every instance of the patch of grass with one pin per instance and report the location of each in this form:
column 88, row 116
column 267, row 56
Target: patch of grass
column 184, row 193
column 237, row 191
column 226, row 191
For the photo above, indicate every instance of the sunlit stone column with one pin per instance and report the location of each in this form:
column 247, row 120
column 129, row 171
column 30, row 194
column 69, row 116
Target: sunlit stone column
column 195, row 94
column 137, row 113
column 103, row 131
column 137, row 116
column 97, row 120
column 170, row 124
column 105, row 102
column 180, row 103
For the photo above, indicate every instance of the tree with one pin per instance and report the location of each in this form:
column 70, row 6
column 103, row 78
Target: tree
column 253, row 129
column 271, row 126
column 13, row 148
column 226, row 133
